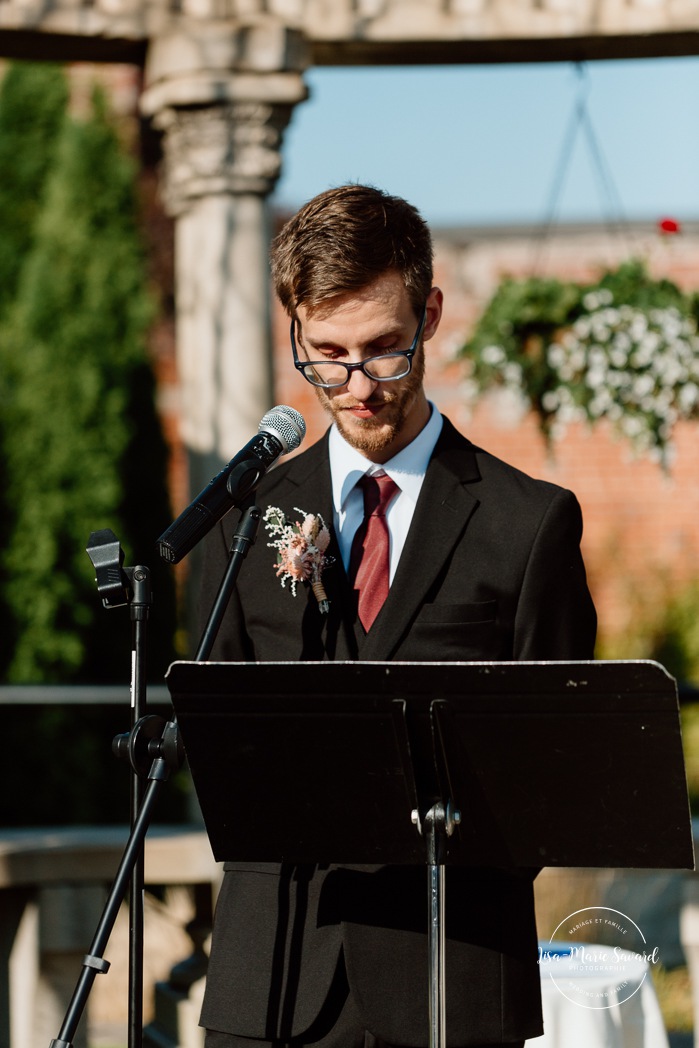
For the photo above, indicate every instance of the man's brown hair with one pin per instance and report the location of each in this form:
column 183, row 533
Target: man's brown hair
column 343, row 239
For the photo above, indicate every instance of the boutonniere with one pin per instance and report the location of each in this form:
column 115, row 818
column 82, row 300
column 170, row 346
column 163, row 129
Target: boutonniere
column 301, row 551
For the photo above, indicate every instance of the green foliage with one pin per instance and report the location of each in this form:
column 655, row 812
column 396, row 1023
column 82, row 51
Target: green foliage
column 520, row 309
column 665, row 627
column 689, row 714
column 520, row 321
column 632, row 285
column 80, row 433
column 624, row 349
column 33, row 100
column 674, row 635
column 80, row 446
column 674, row 990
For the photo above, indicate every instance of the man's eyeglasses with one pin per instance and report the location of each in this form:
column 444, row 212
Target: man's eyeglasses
column 384, row 367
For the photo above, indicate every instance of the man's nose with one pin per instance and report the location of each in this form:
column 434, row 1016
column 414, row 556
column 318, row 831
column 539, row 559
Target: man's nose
column 360, row 385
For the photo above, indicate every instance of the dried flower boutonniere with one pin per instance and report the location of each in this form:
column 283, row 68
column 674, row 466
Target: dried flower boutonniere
column 301, row 551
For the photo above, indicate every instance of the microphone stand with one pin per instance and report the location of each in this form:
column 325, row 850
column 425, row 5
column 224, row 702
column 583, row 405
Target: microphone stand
column 243, row 539
column 154, row 749
column 140, row 604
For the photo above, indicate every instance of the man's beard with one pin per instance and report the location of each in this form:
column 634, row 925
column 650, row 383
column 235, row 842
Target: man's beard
column 372, row 435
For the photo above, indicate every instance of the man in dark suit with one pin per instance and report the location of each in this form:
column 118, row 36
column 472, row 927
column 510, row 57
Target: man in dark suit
column 474, row 561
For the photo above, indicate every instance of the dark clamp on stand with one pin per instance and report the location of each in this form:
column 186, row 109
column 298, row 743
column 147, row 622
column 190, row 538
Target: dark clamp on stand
column 154, row 749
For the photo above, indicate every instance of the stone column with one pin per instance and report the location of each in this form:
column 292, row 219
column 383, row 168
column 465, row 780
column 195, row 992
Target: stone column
column 222, row 97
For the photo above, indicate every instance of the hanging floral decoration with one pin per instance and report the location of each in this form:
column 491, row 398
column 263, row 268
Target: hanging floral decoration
column 625, row 349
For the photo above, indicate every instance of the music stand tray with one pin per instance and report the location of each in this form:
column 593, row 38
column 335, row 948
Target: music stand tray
column 477, row 764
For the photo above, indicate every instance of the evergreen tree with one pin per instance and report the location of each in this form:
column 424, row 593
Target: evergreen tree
column 33, row 99
column 80, row 427
column 80, row 446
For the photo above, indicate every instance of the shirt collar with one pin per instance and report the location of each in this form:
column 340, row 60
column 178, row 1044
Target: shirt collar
column 407, row 468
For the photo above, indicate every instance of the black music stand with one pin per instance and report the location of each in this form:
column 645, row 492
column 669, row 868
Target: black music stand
column 403, row 763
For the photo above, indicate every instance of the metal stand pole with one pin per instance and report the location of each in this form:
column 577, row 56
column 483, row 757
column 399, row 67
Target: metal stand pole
column 140, row 604
column 435, row 933
column 438, row 824
column 243, row 538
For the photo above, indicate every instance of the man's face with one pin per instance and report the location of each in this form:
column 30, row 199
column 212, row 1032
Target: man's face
column 377, row 418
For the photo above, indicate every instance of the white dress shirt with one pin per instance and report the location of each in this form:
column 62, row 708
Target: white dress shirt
column 407, row 469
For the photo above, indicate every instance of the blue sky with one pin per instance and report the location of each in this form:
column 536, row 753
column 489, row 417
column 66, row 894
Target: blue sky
column 484, row 144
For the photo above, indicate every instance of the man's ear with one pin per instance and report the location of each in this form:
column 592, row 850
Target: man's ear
column 433, row 306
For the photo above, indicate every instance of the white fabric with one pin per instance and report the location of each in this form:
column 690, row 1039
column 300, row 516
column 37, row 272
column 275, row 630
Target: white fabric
column 407, row 469
column 613, row 1017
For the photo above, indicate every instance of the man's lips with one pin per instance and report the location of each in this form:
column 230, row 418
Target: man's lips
column 364, row 410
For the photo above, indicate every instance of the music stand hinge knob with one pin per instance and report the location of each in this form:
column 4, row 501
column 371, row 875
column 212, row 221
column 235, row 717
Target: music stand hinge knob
column 447, row 818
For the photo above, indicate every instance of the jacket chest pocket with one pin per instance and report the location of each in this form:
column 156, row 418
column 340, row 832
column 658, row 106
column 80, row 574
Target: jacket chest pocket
column 455, row 633
column 478, row 613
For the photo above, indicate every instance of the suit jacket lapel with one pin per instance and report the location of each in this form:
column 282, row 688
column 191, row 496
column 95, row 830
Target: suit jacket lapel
column 441, row 515
column 309, row 488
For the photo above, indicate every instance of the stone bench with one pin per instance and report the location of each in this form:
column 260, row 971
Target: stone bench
column 53, row 886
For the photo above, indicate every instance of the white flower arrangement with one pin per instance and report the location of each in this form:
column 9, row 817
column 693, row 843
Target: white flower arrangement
column 639, row 370
column 625, row 350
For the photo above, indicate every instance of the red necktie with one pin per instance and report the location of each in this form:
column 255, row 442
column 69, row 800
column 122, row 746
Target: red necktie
column 369, row 559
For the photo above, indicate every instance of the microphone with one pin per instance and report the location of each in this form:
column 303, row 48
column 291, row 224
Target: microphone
column 280, row 431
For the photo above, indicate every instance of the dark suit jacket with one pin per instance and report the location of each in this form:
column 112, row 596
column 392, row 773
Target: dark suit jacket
column 491, row 569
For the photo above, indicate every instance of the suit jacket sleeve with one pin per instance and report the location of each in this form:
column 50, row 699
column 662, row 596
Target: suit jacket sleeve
column 555, row 617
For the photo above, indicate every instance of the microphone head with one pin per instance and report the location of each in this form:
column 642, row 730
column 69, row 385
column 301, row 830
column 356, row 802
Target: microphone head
column 286, row 424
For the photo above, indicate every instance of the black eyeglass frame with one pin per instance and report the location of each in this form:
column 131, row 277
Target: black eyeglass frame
column 301, row 365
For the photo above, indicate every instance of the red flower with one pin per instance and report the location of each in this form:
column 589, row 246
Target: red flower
column 669, row 226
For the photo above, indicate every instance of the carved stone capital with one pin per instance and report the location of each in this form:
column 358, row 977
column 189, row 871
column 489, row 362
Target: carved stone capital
column 230, row 148
column 223, row 99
